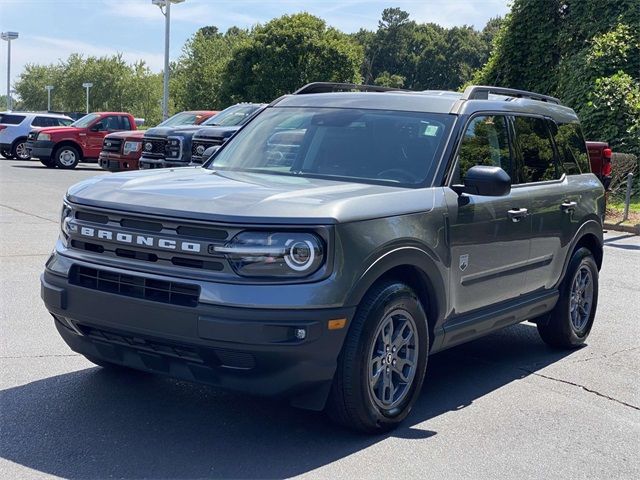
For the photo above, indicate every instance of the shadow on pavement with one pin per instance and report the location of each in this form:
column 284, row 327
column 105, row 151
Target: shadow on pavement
column 96, row 423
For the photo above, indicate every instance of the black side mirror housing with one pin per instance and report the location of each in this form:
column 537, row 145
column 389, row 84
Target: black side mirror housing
column 485, row 180
column 96, row 127
column 210, row 152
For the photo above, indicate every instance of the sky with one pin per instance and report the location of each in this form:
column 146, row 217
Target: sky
column 52, row 29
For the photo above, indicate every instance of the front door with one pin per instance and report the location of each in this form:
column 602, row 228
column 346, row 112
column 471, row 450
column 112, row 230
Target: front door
column 489, row 236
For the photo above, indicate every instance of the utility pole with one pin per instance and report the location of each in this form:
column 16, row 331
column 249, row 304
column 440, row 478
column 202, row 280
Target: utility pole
column 165, row 8
column 49, row 88
column 87, row 85
column 8, row 36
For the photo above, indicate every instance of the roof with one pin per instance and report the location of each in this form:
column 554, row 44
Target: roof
column 474, row 99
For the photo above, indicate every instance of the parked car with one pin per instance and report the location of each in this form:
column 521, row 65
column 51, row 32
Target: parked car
column 15, row 127
column 172, row 147
column 600, row 157
column 65, row 147
column 393, row 226
column 122, row 150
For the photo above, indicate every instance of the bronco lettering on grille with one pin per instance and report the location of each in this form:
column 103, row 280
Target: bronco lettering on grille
column 142, row 240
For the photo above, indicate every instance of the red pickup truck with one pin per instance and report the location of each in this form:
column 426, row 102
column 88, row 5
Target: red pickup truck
column 64, row 147
column 600, row 158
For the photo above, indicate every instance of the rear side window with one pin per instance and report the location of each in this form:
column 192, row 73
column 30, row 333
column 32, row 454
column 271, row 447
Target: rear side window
column 572, row 148
column 44, row 122
column 534, row 141
column 485, row 142
column 64, row 122
column 11, row 119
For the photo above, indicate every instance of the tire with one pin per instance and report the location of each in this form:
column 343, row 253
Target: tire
column 352, row 401
column 66, row 157
column 48, row 162
column 19, row 150
column 6, row 154
column 571, row 319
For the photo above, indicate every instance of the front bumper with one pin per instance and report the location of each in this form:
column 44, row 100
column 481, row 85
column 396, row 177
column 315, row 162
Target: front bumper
column 115, row 162
column 40, row 148
column 149, row 163
column 245, row 349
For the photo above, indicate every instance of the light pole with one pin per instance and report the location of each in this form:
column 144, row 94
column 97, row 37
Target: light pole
column 8, row 36
column 165, row 8
column 49, row 88
column 87, row 85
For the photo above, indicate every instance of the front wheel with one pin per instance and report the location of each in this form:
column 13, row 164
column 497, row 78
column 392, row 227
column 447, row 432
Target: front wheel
column 571, row 319
column 66, row 157
column 382, row 364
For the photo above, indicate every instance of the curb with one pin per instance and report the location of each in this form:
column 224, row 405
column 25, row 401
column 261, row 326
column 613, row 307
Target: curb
column 622, row 228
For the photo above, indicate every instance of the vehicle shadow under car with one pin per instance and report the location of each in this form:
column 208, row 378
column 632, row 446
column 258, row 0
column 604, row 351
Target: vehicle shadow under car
column 98, row 423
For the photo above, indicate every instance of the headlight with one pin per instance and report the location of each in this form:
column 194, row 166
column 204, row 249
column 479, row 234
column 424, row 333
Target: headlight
column 44, row 136
column 65, row 217
column 269, row 254
column 173, row 147
column 132, row 147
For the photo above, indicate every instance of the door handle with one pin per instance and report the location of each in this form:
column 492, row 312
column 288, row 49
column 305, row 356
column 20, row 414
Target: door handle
column 82, row 134
column 569, row 206
column 517, row 214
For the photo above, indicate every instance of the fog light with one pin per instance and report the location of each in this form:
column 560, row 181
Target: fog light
column 301, row 333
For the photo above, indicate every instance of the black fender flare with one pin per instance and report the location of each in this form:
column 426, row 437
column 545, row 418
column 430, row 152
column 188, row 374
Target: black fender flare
column 592, row 226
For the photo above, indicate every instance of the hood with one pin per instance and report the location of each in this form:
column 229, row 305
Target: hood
column 134, row 134
column 216, row 132
column 184, row 131
column 62, row 130
column 240, row 197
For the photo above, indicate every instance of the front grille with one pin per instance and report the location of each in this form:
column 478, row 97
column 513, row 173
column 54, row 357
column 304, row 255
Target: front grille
column 111, row 145
column 151, row 289
column 199, row 146
column 154, row 147
column 148, row 253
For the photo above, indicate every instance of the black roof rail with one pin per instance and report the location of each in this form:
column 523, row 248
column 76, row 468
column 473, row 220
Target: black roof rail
column 328, row 87
column 481, row 92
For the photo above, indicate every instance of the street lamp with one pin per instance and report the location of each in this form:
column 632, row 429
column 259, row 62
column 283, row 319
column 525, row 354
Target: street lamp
column 87, row 85
column 48, row 88
column 165, row 8
column 8, row 36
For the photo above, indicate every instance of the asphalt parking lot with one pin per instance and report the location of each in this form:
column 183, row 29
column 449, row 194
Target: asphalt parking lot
column 504, row 406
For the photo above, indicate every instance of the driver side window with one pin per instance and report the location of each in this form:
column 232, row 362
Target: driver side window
column 485, row 142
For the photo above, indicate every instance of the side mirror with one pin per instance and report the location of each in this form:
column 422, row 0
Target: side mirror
column 96, row 127
column 209, row 153
column 485, row 180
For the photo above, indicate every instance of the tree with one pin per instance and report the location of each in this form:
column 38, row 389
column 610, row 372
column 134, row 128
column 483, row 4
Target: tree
column 286, row 53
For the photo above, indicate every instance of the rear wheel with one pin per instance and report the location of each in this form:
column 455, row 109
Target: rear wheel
column 382, row 364
column 571, row 320
column 19, row 150
column 66, row 157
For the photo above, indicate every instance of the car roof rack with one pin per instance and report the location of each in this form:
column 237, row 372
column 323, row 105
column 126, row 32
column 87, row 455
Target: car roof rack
column 329, row 87
column 481, row 92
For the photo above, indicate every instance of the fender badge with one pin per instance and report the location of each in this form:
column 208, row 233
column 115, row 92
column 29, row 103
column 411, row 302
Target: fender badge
column 464, row 261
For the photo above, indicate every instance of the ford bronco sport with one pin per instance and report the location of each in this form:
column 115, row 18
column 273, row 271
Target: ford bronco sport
column 339, row 239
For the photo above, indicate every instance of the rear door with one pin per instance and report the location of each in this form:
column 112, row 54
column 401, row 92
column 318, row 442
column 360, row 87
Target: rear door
column 550, row 200
column 489, row 236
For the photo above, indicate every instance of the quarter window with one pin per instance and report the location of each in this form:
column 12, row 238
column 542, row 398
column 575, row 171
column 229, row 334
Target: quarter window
column 485, row 142
column 538, row 159
column 572, row 148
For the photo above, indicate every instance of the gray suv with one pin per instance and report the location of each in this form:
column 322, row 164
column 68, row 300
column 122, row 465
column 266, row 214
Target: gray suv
column 344, row 235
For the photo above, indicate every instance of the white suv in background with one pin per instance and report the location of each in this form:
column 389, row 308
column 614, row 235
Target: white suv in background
column 15, row 126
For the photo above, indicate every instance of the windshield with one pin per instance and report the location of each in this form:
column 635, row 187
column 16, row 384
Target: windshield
column 368, row 146
column 183, row 118
column 232, row 116
column 85, row 121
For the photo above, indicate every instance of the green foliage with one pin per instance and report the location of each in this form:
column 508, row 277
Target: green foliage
column 587, row 52
column 285, row 54
column 117, row 86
